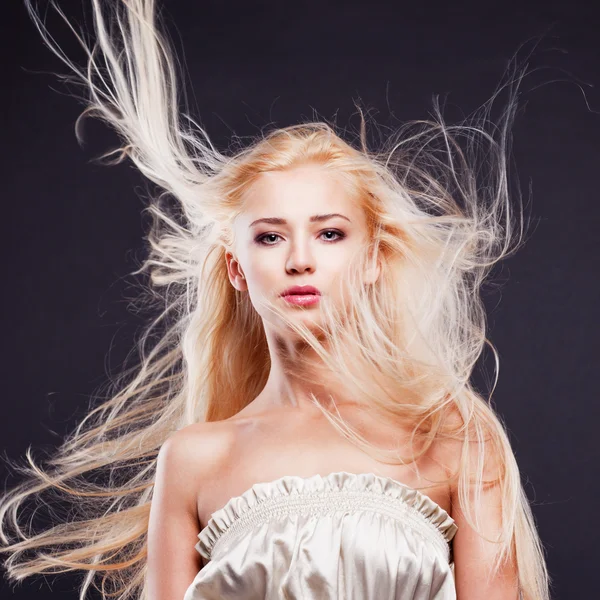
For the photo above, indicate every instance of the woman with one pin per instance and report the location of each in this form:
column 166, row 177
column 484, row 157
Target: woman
column 304, row 426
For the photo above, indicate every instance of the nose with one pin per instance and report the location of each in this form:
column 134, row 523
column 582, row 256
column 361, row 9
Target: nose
column 300, row 259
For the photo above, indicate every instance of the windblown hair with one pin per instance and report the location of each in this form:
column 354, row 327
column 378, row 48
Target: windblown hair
column 440, row 215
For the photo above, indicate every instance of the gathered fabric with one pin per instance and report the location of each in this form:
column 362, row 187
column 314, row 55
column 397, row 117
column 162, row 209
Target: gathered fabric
column 340, row 536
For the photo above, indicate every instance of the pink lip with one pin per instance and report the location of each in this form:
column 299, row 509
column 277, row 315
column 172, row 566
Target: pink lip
column 301, row 289
column 302, row 299
column 301, row 295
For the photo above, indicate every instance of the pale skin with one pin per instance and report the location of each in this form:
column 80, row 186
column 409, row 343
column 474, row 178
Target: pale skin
column 204, row 465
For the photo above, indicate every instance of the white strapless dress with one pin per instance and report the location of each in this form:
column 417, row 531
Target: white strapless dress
column 340, row 536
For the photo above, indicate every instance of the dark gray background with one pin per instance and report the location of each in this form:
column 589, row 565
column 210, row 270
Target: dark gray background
column 74, row 228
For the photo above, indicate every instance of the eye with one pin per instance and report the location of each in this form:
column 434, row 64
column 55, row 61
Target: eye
column 335, row 232
column 261, row 239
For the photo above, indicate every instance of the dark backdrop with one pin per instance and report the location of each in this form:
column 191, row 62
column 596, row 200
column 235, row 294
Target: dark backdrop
column 73, row 229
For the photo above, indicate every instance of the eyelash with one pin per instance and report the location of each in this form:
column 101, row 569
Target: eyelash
column 341, row 236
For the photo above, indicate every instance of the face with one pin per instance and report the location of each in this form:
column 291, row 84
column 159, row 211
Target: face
column 297, row 228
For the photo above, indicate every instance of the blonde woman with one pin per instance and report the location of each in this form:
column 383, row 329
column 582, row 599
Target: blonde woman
column 304, row 425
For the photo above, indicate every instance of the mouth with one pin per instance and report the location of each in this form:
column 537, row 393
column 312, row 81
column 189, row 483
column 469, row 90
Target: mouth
column 301, row 295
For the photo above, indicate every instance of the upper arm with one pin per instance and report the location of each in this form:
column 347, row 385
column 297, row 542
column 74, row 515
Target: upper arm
column 172, row 560
column 472, row 554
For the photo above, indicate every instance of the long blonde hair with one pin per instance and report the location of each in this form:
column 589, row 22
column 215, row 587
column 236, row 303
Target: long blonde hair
column 439, row 220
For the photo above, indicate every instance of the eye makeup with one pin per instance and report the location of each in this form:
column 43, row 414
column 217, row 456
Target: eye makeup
column 260, row 239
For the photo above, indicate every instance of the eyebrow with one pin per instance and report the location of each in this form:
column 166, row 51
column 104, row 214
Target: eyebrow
column 313, row 219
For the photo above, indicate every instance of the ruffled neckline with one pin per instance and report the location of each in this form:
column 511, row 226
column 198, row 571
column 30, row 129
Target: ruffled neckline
column 262, row 495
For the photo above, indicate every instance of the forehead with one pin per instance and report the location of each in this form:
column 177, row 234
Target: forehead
column 298, row 192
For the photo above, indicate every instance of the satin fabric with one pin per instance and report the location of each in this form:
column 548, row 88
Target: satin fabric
column 340, row 536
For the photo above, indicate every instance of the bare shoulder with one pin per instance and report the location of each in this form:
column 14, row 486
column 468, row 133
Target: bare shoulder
column 448, row 450
column 200, row 447
column 200, row 453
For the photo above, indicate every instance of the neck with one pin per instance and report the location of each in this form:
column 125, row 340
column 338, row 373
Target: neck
column 296, row 373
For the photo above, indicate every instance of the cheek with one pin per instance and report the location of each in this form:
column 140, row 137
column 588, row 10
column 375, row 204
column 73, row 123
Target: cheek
column 334, row 261
column 263, row 273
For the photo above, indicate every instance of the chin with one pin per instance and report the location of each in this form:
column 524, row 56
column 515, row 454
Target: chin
column 309, row 318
